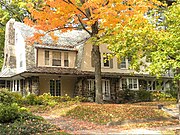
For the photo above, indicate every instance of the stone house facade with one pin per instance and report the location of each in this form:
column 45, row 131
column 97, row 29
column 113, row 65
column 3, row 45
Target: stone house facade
column 66, row 67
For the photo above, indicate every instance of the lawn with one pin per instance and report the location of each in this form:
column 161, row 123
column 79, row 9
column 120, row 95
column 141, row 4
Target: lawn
column 143, row 114
column 117, row 114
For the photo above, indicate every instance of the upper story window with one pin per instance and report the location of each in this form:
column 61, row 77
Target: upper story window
column 46, row 57
column 106, row 61
column 125, row 63
column 66, row 59
column 56, row 60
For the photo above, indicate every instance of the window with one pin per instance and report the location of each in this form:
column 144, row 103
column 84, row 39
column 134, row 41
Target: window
column 91, row 84
column 55, row 87
column 130, row 83
column 46, row 57
column 56, row 59
column 16, row 85
column 106, row 89
column 106, row 62
column 66, row 60
column 123, row 63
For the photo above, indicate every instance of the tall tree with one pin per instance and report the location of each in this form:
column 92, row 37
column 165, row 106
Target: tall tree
column 158, row 39
column 93, row 16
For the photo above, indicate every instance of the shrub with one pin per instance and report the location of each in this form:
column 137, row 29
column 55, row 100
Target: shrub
column 8, row 113
column 162, row 96
column 6, row 97
column 33, row 99
column 144, row 95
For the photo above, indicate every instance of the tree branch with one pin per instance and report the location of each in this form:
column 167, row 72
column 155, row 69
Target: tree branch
column 79, row 19
column 70, row 2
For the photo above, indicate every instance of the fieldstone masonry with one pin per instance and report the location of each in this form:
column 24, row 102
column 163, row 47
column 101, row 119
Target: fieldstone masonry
column 9, row 49
column 30, row 56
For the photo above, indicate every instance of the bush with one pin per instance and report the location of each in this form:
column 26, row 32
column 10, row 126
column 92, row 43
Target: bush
column 144, row 96
column 162, row 96
column 6, row 97
column 8, row 113
column 33, row 99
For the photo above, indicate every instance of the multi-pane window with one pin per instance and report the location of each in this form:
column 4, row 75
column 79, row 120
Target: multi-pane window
column 16, row 85
column 107, row 87
column 91, row 84
column 66, row 60
column 55, row 87
column 130, row 83
column 56, row 61
column 46, row 57
column 123, row 63
column 106, row 62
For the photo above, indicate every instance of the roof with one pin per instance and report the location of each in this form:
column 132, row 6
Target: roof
column 69, row 39
column 7, row 72
column 57, row 70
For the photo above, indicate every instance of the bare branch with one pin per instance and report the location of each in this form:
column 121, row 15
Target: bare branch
column 84, row 26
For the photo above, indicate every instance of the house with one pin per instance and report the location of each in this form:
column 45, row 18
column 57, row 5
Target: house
column 65, row 67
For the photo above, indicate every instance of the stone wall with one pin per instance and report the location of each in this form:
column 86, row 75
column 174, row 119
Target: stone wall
column 9, row 48
column 35, row 85
column 81, row 89
column 30, row 56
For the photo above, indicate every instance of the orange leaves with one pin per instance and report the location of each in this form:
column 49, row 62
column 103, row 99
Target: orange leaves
column 65, row 14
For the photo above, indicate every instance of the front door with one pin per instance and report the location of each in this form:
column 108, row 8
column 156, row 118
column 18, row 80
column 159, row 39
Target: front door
column 106, row 89
column 55, row 87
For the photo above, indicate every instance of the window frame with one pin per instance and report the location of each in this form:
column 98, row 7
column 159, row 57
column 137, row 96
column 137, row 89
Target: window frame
column 56, row 59
column 66, row 59
column 55, row 87
column 46, row 53
column 130, row 83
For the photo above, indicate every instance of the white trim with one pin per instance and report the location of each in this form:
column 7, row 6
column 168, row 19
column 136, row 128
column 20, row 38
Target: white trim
column 127, row 82
column 106, row 88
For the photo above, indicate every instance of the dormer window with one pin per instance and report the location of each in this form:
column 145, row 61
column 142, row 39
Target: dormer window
column 56, row 61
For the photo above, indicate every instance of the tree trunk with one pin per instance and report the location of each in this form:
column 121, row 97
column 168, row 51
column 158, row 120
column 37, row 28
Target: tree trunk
column 97, row 64
column 178, row 88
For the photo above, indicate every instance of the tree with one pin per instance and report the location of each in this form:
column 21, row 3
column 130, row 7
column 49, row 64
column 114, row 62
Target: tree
column 93, row 16
column 158, row 39
column 16, row 9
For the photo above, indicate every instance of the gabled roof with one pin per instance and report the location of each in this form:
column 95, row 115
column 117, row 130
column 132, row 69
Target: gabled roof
column 69, row 39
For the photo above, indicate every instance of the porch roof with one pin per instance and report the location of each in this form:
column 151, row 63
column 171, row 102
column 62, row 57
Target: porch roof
column 7, row 73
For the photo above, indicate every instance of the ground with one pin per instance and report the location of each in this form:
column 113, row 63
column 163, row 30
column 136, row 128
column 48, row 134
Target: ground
column 74, row 120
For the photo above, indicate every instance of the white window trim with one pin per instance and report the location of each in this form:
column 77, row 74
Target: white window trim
column 105, row 97
column 127, row 81
column 14, row 88
column 127, row 64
